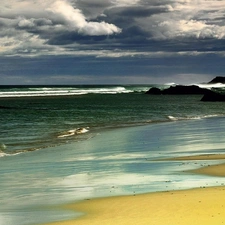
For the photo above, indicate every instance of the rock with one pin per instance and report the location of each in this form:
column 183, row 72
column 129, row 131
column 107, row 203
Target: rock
column 184, row 90
column 212, row 96
column 217, row 80
column 178, row 90
column 154, row 91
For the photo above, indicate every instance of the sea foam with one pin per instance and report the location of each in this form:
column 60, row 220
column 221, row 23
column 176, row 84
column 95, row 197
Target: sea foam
column 73, row 132
column 65, row 91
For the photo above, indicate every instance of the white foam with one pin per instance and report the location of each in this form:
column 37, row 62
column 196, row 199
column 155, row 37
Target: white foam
column 81, row 130
column 209, row 86
column 170, row 84
column 73, row 132
column 2, row 154
column 67, row 134
column 66, row 91
column 172, row 118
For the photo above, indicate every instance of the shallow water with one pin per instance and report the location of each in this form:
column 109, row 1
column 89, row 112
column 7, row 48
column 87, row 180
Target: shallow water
column 114, row 162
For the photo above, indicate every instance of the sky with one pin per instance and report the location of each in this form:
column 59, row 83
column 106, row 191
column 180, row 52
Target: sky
column 111, row 41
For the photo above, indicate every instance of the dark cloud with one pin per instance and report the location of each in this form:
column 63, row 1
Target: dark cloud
column 93, row 9
column 136, row 11
column 142, row 37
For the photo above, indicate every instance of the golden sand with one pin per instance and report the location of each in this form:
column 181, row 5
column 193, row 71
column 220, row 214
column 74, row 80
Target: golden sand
column 192, row 207
column 212, row 170
column 202, row 206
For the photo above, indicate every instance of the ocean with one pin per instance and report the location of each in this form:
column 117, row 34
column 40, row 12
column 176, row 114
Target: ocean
column 60, row 144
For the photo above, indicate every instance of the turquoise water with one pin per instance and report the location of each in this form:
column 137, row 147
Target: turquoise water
column 126, row 133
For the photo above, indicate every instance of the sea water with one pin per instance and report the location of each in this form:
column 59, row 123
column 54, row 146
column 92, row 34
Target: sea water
column 45, row 162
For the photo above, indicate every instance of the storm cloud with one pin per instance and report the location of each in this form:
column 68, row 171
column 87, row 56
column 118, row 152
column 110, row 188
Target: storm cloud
column 112, row 29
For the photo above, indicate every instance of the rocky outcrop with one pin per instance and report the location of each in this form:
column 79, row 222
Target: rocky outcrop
column 178, row 90
column 217, row 80
column 213, row 96
column 154, row 91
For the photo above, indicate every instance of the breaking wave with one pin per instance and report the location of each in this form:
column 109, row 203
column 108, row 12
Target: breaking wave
column 42, row 91
column 22, row 91
column 174, row 118
column 210, row 86
column 73, row 132
column 3, row 154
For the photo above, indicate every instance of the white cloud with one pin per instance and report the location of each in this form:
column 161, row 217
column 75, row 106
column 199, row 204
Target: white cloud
column 94, row 28
column 76, row 20
column 23, row 23
column 190, row 28
column 28, row 25
column 71, row 15
column 40, row 26
column 189, row 19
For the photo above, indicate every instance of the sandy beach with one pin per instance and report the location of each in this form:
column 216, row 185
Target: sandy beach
column 196, row 206
column 198, row 157
column 211, row 170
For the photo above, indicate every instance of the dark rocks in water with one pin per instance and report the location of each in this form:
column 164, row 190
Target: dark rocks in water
column 217, row 80
column 154, row 91
column 212, row 96
column 178, row 90
column 184, row 90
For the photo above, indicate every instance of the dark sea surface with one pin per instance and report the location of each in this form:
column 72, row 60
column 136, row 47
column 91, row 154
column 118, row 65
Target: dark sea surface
column 67, row 143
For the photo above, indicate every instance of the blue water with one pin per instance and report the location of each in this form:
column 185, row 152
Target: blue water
column 126, row 134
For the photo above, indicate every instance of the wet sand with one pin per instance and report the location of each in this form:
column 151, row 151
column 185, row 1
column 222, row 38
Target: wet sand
column 211, row 170
column 198, row 157
column 195, row 206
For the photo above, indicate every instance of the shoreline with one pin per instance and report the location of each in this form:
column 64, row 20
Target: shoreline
column 193, row 206
column 210, row 170
column 217, row 170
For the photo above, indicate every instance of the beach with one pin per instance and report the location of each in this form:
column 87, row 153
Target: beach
column 194, row 206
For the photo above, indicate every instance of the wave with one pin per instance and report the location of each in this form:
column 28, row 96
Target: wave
column 68, row 91
column 174, row 118
column 3, row 154
column 210, row 86
column 63, row 136
column 73, row 132
column 42, row 91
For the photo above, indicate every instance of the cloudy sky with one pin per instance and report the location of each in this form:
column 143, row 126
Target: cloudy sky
column 111, row 41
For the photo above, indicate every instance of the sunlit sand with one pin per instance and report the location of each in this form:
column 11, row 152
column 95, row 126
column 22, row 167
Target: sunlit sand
column 195, row 206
